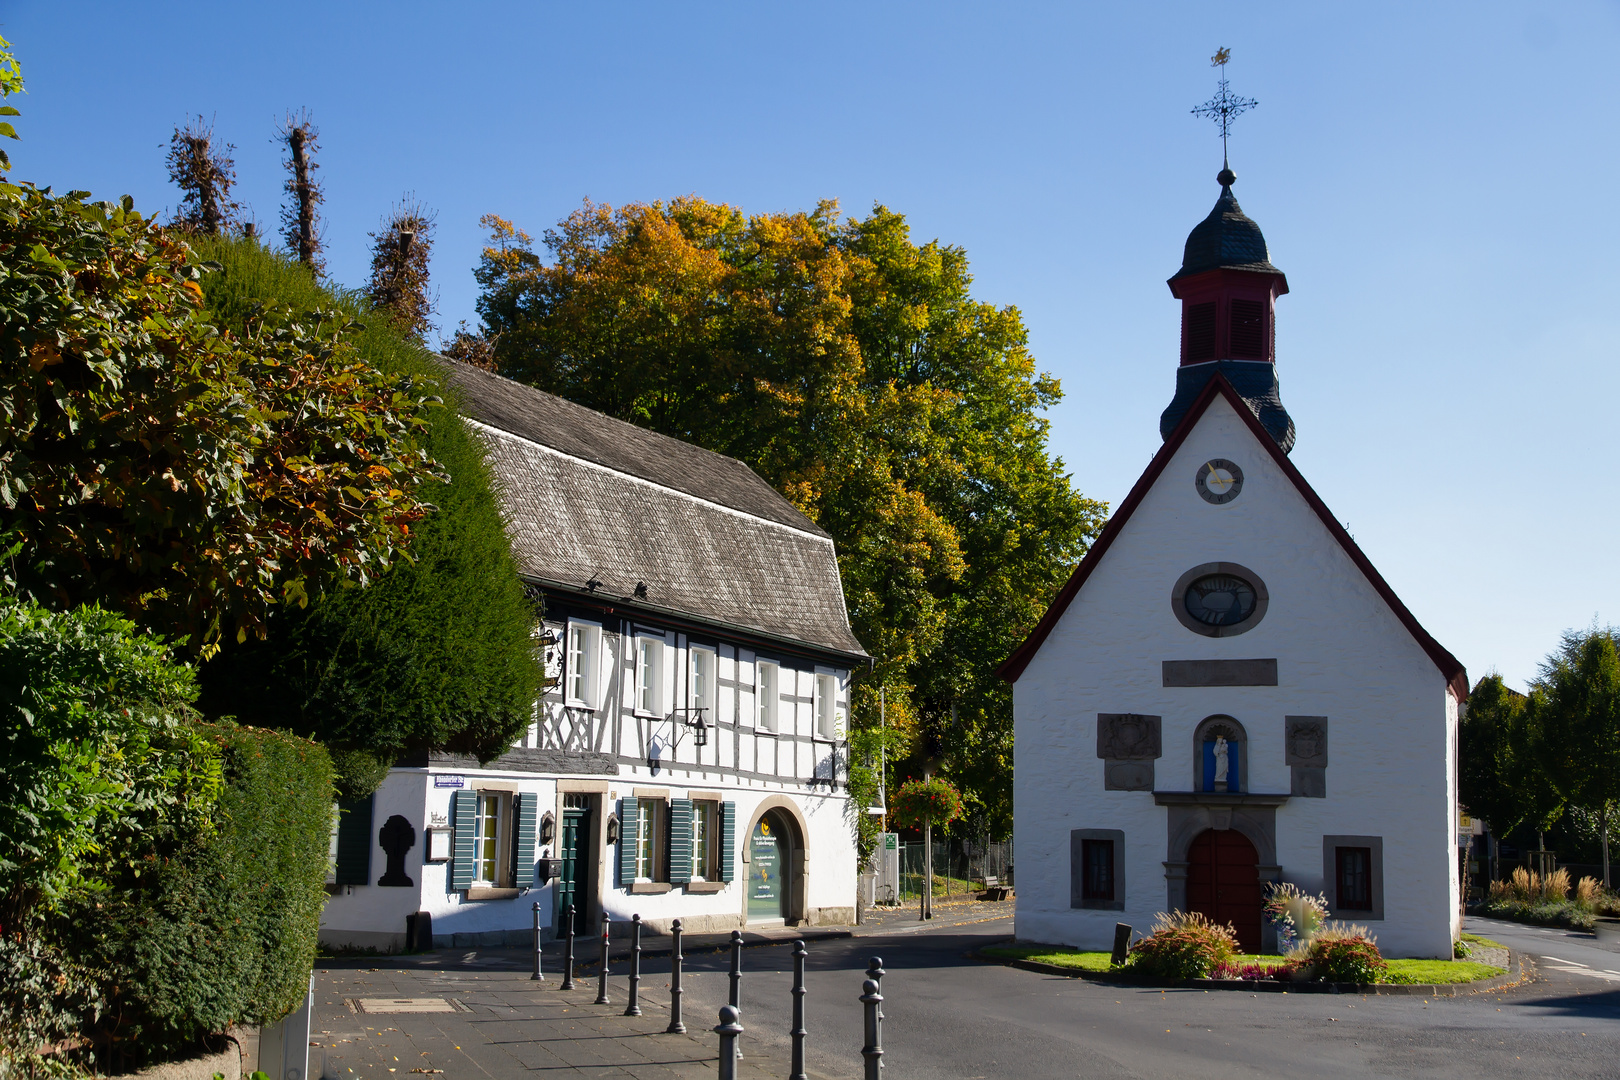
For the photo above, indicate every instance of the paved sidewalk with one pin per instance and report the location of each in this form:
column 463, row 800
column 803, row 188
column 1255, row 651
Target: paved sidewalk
column 473, row 1013
column 482, row 1023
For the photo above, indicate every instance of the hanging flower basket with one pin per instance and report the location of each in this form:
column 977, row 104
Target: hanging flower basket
column 925, row 802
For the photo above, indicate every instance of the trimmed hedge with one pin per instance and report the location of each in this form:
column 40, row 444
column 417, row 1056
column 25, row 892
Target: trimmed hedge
column 184, row 884
column 438, row 653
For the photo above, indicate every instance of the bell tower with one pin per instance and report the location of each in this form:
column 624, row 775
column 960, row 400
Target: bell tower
column 1228, row 291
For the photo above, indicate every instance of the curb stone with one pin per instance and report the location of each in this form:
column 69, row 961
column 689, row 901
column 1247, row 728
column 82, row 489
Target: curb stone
column 1514, row 975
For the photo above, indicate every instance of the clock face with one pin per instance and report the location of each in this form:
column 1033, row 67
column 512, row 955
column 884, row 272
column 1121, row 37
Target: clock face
column 1219, row 481
column 1220, row 600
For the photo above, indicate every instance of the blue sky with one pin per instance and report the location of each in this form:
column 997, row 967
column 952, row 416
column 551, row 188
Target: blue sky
column 1437, row 180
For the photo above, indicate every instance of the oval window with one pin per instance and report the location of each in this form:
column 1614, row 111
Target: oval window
column 1220, row 599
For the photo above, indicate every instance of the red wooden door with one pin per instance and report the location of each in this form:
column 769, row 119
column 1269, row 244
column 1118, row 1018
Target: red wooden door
column 1223, row 882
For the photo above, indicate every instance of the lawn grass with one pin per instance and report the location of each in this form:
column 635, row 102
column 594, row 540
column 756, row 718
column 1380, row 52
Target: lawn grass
column 1475, row 939
column 1438, row 971
column 1400, row 971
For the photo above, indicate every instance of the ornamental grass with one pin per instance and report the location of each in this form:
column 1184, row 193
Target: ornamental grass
column 1184, row 945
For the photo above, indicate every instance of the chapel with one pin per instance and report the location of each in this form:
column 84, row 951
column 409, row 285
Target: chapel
column 1226, row 693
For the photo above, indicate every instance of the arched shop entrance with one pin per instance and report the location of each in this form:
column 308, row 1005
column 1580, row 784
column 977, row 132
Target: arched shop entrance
column 1223, row 883
column 770, row 869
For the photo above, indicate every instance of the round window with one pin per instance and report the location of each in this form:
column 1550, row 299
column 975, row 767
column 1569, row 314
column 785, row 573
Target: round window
column 1219, row 599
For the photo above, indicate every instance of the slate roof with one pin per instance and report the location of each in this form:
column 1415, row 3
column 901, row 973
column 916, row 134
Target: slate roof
column 1451, row 669
column 587, row 496
column 1225, row 240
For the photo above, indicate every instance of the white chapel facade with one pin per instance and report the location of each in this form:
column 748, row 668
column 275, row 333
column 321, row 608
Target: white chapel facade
column 1226, row 692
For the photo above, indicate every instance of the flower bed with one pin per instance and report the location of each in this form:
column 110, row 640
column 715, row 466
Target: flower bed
column 1248, row 967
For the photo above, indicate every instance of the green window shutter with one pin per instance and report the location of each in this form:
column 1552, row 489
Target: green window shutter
column 627, row 839
column 680, row 841
column 527, row 814
column 463, row 819
column 728, row 841
column 354, row 842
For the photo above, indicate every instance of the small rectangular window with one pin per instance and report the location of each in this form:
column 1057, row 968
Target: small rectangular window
column 487, row 837
column 1248, row 331
column 702, row 689
column 705, row 832
column 826, row 706
column 766, row 678
column 1355, row 878
column 1098, row 859
column 583, row 642
column 651, row 820
column 649, row 675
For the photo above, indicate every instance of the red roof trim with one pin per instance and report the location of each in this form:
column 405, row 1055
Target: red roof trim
column 1013, row 667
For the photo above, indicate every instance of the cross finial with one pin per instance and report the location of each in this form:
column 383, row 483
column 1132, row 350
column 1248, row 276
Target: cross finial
column 1225, row 106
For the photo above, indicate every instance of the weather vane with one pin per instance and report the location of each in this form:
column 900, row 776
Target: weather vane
column 1225, row 106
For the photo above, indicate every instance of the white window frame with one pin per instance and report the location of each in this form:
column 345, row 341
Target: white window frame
column 826, row 706
column 705, row 840
column 584, row 650
column 649, row 687
column 767, row 694
column 652, row 826
column 701, row 693
column 482, row 841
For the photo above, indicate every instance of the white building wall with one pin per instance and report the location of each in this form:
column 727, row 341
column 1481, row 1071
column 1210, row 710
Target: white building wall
column 740, row 763
column 1341, row 654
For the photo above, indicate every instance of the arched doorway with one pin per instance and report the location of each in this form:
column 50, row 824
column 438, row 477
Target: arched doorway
column 770, row 869
column 1223, row 882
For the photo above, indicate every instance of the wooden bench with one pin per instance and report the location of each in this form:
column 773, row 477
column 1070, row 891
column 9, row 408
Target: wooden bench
column 993, row 890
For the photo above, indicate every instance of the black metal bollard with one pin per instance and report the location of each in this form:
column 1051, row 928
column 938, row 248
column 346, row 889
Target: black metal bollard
column 730, row 1028
column 568, row 951
column 601, row 979
column 634, row 1007
column 736, row 977
column 875, row 972
column 873, row 1050
column 537, row 976
column 798, row 1032
column 675, row 1025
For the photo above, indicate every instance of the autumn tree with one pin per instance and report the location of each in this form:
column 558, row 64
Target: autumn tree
column 11, row 82
column 852, row 369
column 190, row 478
column 300, row 228
column 401, row 249
column 205, row 174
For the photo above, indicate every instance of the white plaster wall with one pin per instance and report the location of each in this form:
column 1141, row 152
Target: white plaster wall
column 1341, row 654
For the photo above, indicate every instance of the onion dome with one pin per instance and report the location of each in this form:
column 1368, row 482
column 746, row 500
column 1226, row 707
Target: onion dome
column 1225, row 240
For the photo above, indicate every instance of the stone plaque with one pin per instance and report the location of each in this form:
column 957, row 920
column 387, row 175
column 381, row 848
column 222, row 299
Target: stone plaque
column 1258, row 672
column 1307, row 741
column 1128, row 737
column 1128, row 776
column 1308, row 782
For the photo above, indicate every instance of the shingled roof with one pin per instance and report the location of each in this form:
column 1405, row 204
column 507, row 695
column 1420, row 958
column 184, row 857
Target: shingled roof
column 587, row 496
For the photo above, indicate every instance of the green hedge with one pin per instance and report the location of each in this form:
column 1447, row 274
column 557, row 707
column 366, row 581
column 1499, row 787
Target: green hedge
column 184, row 886
column 438, row 653
column 224, row 930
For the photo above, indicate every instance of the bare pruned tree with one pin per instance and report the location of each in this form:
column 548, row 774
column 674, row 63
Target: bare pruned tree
column 400, row 250
column 474, row 347
column 206, row 174
column 300, row 226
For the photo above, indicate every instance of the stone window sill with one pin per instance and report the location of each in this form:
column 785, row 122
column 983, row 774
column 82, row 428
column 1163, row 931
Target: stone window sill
column 705, row 886
column 479, row 892
column 643, row 888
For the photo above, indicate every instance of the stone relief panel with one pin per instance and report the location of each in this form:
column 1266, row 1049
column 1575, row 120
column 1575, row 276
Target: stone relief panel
column 1306, row 751
column 1128, row 743
column 1128, row 737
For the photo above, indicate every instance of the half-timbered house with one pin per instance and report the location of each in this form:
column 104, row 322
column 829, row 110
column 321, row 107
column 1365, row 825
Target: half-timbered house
column 688, row 759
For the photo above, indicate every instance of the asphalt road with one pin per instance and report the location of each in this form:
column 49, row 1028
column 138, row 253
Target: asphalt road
column 949, row 1016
